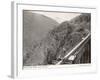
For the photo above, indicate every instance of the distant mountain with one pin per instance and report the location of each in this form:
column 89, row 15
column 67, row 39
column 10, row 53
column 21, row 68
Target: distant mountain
column 35, row 27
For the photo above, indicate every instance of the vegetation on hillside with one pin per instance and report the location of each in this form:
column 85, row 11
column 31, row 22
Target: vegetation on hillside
column 60, row 40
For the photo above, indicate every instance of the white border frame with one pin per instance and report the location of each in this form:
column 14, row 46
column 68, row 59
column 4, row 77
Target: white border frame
column 17, row 28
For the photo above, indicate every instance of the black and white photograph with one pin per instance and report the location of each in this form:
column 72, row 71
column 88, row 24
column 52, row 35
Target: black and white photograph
column 56, row 38
column 53, row 40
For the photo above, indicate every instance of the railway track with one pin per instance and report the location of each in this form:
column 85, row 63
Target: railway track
column 75, row 52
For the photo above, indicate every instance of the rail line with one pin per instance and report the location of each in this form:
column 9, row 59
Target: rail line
column 75, row 50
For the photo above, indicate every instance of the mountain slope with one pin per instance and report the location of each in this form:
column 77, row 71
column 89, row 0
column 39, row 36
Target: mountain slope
column 35, row 28
column 66, row 36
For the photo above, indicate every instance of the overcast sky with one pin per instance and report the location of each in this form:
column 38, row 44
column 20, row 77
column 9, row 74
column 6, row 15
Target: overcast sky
column 59, row 17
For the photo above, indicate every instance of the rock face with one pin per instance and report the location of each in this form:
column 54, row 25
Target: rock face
column 56, row 42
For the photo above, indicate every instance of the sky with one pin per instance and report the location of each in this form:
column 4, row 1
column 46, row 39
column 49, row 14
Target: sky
column 58, row 16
